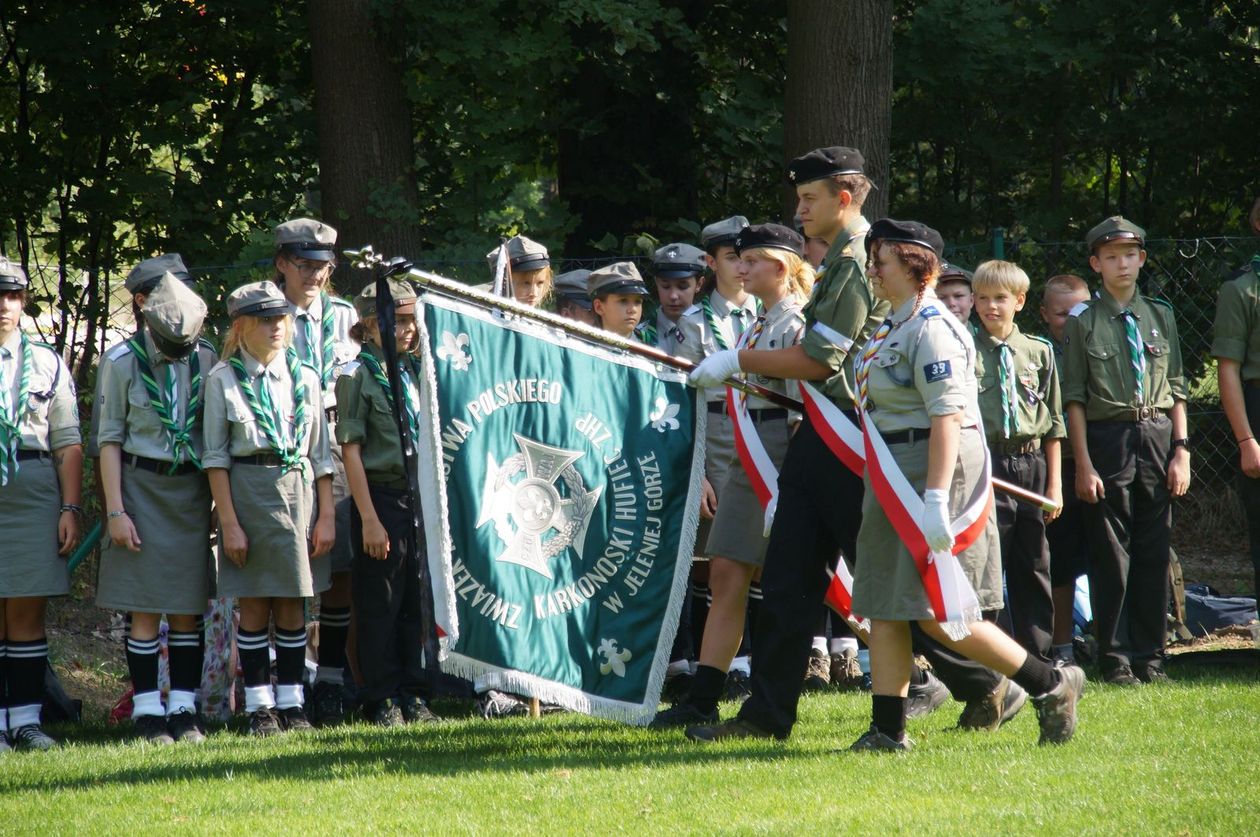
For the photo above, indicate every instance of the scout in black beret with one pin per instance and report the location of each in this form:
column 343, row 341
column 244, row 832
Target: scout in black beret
column 906, row 232
column 770, row 236
column 825, row 162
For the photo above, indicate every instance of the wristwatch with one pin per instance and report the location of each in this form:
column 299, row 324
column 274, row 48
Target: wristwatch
column 1183, row 442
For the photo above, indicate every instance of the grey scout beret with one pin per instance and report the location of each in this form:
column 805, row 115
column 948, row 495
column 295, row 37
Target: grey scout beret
column 307, row 238
column 572, row 286
column 144, row 276
column 677, row 261
column 257, row 299
column 722, row 233
column 523, row 254
column 616, row 278
column 173, row 312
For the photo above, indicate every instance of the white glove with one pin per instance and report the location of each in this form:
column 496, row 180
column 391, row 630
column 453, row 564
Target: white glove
column 715, row 369
column 935, row 522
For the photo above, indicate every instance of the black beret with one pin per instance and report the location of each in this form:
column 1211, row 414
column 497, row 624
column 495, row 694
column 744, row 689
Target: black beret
column 825, row 162
column 907, row 232
column 770, row 236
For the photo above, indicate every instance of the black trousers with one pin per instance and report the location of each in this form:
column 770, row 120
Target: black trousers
column 1066, row 534
column 1129, row 534
column 386, row 598
column 1025, row 553
column 819, row 514
column 1249, row 487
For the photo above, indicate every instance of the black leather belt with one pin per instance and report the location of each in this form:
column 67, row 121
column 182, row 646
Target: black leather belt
column 901, row 437
column 1001, row 448
column 23, row 454
column 266, row 460
column 717, row 406
column 759, row 414
column 159, row 467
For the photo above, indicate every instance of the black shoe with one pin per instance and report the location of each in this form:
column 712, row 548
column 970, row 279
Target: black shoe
column 387, row 714
column 327, row 708
column 1056, row 709
column 1152, row 673
column 264, row 722
column 1121, row 675
column 32, row 737
column 927, row 698
column 874, row 741
column 677, row 687
column 735, row 728
column 152, row 728
column 683, row 715
column 416, row 711
column 294, row 719
column 186, row 726
column 738, row 685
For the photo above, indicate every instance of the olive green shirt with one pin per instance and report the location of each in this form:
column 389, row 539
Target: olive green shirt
column 49, row 418
column 842, row 312
column 1100, row 372
column 1038, row 409
column 123, row 413
column 1236, row 333
column 365, row 418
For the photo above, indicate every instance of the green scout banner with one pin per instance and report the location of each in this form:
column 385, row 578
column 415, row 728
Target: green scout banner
column 561, row 491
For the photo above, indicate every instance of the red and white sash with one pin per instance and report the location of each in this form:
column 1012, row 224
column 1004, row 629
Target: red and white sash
column 761, row 470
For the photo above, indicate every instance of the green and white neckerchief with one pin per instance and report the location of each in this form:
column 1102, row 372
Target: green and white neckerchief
column 1006, row 383
column 323, row 360
column 11, row 413
column 263, row 407
column 408, row 373
column 646, row 332
column 166, row 404
column 1137, row 352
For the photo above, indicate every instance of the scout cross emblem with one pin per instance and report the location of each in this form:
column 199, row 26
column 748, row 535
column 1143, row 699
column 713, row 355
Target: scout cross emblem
column 530, row 516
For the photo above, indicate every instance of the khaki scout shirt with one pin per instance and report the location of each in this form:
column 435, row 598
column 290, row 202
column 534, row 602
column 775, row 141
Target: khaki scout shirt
column 925, row 367
column 842, row 312
column 123, row 414
column 670, row 338
column 699, row 338
column 1039, row 409
column 365, row 418
column 231, row 429
column 49, row 420
column 784, row 327
column 1099, row 369
column 1236, row 334
column 345, row 348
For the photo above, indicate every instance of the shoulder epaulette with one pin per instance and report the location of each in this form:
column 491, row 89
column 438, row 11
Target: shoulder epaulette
column 206, row 344
column 350, row 366
column 694, row 309
column 1238, row 273
column 1041, row 339
column 1078, row 309
column 336, row 300
column 929, row 311
column 119, row 351
column 1161, row 301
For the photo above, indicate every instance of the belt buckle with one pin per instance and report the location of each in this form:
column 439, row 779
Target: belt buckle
column 1146, row 413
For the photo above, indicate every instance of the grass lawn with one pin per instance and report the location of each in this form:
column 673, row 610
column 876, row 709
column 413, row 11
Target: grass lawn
column 1166, row 759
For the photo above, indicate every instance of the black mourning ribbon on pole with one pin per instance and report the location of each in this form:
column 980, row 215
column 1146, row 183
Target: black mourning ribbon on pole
column 389, row 347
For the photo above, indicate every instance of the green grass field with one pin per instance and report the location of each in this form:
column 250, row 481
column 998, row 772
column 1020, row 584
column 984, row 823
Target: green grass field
column 1168, row 759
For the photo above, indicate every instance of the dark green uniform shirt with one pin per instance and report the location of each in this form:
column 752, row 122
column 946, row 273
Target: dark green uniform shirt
column 1065, row 451
column 365, row 418
column 842, row 312
column 1236, row 334
column 1100, row 371
column 1038, row 408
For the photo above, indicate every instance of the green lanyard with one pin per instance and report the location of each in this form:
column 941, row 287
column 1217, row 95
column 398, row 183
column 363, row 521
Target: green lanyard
column 268, row 420
column 406, row 373
column 180, row 437
column 646, row 332
column 324, row 358
column 10, row 415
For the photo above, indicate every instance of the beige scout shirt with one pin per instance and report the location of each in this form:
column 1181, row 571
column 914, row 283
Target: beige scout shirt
column 123, row 415
column 1236, row 333
column 704, row 335
column 784, row 327
column 1100, row 371
column 231, row 429
column 309, row 323
column 924, row 368
column 49, row 420
column 842, row 312
column 1038, row 409
column 365, row 418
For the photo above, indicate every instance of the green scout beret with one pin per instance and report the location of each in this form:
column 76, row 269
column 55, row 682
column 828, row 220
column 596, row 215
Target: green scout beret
column 307, row 239
column 257, row 299
column 955, row 272
column 523, row 254
column 722, row 233
column 12, row 277
column 770, row 237
column 1115, row 228
column 825, row 162
column 174, row 315
column 144, row 277
column 616, row 278
column 678, row 261
column 572, row 286
column 404, row 298
column 906, row 232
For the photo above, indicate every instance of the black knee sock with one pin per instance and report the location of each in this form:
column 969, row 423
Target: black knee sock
column 290, row 655
column 701, row 598
column 750, row 619
column 918, row 677
column 186, row 651
column 707, row 688
column 253, row 648
column 27, row 661
column 142, row 664
column 334, row 629
column 1036, row 676
column 888, row 713
column 4, row 684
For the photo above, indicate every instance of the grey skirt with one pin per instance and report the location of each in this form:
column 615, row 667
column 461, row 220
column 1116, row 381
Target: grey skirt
column 719, row 456
column 275, row 510
column 737, row 528
column 31, row 505
column 886, row 583
column 171, row 572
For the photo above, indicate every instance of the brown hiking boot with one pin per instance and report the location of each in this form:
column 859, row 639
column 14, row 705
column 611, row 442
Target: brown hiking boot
column 846, row 674
column 1056, row 709
column 995, row 708
column 817, row 671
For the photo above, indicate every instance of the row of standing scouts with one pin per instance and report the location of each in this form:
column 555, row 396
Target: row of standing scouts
column 289, row 435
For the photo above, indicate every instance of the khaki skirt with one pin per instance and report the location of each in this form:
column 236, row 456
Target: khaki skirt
column 172, row 571
column 31, row 505
column 719, row 458
column 737, row 527
column 886, row 583
column 275, row 508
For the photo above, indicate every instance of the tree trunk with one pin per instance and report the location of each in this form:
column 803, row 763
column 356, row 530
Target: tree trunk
column 366, row 157
column 839, row 84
